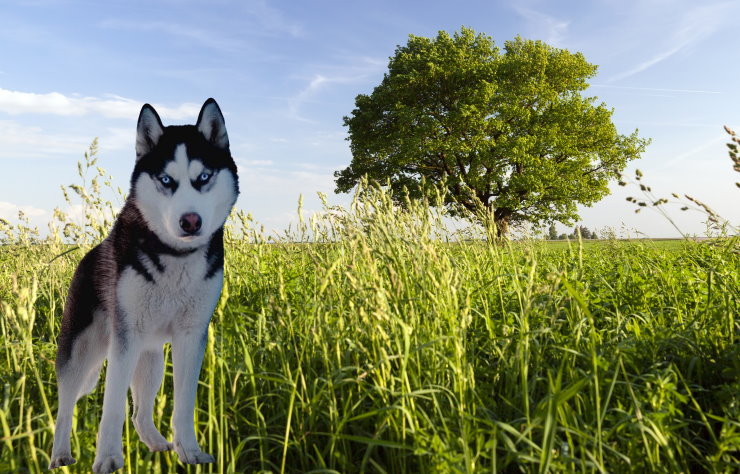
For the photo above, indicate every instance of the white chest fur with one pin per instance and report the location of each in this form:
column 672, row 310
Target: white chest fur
column 180, row 298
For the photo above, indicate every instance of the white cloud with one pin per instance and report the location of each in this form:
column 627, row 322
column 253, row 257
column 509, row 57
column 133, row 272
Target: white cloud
column 260, row 180
column 117, row 138
column 271, row 194
column 21, row 141
column 110, row 106
column 9, row 211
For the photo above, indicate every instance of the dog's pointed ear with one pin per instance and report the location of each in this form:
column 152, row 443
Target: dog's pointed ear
column 211, row 124
column 149, row 130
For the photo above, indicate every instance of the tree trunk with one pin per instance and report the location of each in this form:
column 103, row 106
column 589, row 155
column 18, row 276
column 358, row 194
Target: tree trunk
column 497, row 225
column 502, row 227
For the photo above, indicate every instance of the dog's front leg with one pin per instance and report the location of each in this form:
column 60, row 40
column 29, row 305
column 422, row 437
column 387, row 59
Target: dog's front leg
column 122, row 359
column 187, row 356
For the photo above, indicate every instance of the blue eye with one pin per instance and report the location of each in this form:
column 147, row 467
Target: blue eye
column 164, row 179
column 204, row 177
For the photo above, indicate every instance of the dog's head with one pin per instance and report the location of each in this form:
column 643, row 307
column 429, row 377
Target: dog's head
column 185, row 181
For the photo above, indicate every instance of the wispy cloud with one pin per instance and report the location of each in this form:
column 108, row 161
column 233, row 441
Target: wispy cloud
column 256, row 163
column 358, row 71
column 110, row 106
column 692, row 27
column 254, row 18
column 550, row 29
column 306, row 94
column 201, row 37
column 271, row 19
column 657, row 89
column 701, row 151
column 651, row 62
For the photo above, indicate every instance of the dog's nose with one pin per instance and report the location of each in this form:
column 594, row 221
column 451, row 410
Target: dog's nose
column 190, row 222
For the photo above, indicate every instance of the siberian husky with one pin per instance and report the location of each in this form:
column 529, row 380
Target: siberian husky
column 155, row 279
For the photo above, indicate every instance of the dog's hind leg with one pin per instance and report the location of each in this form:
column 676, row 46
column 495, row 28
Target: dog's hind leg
column 76, row 376
column 144, row 386
column 67, row 386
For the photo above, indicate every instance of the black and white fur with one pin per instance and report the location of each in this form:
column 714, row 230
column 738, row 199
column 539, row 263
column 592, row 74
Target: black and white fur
column 156, row 279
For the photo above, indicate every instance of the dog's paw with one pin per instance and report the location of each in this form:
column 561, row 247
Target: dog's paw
column 159, row 446
column 108, row 464
column 155, row 442
column 156, row 448
column 61, row 460
column 193, row 456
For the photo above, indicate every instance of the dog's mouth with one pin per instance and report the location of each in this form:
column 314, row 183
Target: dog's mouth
column 188, row 237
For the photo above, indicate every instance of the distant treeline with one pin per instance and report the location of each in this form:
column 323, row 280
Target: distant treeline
column 552, row 233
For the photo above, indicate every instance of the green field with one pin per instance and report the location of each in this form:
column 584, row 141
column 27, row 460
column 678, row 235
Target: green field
column 664, row 244
column 381, row 347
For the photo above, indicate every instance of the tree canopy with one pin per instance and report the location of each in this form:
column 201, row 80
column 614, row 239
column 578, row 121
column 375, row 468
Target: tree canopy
column 506, row 132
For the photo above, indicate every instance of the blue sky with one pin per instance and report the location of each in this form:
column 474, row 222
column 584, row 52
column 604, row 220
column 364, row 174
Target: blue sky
column 285, row 73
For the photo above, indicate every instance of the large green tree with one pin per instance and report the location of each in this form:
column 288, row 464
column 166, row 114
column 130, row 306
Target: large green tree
column 507, row 132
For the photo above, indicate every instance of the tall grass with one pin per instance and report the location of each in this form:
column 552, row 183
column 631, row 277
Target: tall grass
column 365, row 341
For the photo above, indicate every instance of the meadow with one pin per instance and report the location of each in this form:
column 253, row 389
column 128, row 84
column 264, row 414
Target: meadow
column 369, row 340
